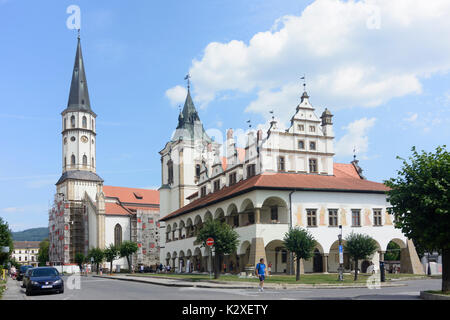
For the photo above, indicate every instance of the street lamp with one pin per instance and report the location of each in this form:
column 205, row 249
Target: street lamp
column 341, row 257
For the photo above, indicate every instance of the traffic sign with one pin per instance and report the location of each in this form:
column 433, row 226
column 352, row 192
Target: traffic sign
column 341, row 255
column 210, row 242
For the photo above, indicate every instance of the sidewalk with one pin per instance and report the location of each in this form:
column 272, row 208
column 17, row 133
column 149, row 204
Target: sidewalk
column 235, row 284
column 12, row 291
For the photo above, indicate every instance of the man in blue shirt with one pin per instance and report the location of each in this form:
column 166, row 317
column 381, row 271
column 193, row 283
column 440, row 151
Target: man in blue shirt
column 260, row 272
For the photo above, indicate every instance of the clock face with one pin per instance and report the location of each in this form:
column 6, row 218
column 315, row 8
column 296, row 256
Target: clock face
column 84, row 139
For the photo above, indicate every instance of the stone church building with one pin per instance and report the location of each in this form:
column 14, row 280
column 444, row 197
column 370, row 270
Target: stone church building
column 87, row 214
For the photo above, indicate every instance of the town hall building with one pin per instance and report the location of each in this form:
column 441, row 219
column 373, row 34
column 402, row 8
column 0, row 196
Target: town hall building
column 282, row 179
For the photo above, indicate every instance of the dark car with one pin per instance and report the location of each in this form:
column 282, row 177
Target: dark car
column 26, row 277
column 44, row 279
column 22, row 271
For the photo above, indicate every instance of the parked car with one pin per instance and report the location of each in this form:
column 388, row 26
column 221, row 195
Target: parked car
column 22, row 271
column 26, row 277
column 44, row 279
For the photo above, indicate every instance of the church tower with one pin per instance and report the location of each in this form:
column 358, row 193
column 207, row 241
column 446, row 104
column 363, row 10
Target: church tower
column 183, row 159
column 78, row 137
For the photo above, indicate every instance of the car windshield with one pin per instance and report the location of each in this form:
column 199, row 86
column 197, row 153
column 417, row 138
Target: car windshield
column 47, row 272
column 24, row 268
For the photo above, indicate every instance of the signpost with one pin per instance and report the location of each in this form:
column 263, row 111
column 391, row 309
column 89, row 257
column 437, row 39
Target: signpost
column 210, row 243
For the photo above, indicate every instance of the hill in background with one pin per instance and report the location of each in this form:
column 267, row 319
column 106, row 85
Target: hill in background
column 34, row 234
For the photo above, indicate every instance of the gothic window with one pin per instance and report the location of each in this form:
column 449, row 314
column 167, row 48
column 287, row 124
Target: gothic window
column 281, row 164
column 84, row 122
column 65, row 161
column 72, row 160
column 377, row 217
column 117, row 235
column 84, row 160
column 356, row 218
column 93, row 162
column 92, row 124
column 313, row 165
column 65, row 123
column 312, row 217
column 72, row 121
column 312, row 145
column 301, row 144
column 170, row 172
column 333, row 217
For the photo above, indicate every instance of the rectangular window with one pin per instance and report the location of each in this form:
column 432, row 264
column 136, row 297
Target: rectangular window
column 312, row 145
column 312, row 129
column 197, row 171
column 356, row 218
column 377, row 217
column 313, row 165
column 217, row 185
column 281, row 164
column 203, row 191
column 274, row 213
column 301, row 144
column 333, row 217
column 311, row 217
column 283, row 256
column 301, row 127
column 251, row 170
column 232, row 178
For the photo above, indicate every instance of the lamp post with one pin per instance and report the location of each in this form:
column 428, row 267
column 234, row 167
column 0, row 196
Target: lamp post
column 341, row 257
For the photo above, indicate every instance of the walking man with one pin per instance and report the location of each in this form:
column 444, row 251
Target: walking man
column 260, row 272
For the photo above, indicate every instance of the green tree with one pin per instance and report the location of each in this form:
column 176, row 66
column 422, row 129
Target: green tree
column 392, row 252
column 43, row 252
column 126, row 249
column 420, row 202
column 300, row 242
column 225, row 241
column 111, row 254
column 80, row 259
column 5, row 241
column 359, row 247
column 97, row 255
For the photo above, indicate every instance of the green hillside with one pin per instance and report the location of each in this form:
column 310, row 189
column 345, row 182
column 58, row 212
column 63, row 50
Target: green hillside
column 34, row 234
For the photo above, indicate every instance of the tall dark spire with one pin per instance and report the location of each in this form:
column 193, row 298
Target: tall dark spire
column 79, row 95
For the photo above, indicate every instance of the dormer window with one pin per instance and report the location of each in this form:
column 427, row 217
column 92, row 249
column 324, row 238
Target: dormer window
column 137, row 195
column 251, row 170
column 203, row 191
column 217, row 185
column 232, row 178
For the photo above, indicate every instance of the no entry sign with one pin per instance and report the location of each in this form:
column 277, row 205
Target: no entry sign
column 210, row 242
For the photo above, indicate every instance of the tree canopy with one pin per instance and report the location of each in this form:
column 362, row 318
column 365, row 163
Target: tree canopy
column 43, row 252
column 226, row 240
column 301, row 243
column 111, row 254
column 5, row 241
column 420, row 202
column 359, row 247
column 126, row 249
column 97, row 255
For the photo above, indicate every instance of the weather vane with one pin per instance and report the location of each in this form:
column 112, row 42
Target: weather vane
column 273, row 116
column 188, row 77
column 304, row 82
column 354, row 153
column 249, row 123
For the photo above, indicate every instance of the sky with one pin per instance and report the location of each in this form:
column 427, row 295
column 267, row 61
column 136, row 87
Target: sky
column 381, row 67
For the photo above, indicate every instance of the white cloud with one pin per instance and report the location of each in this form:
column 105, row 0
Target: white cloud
column 412, row 118
column 176, row 95
column 355, row 137
column 354, row 53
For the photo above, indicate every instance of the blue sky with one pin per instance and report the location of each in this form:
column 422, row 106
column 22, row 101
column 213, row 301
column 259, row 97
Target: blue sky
column 383, row 71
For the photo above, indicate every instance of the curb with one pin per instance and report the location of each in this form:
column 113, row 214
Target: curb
column 433, row 296
column 245, row 286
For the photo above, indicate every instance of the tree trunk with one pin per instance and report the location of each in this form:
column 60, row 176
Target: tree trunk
column 129, row 264
column 97, row 267
column 356, row 269
column 446, row 270
column 110, row 268
column 297, row 273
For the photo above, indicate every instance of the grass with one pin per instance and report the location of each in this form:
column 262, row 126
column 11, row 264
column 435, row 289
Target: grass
column 2, row 287
column 447, row 293
column 279, row 279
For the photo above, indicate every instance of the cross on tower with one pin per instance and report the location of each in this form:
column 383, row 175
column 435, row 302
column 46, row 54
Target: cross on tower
column 188, row 77
column 304, row 82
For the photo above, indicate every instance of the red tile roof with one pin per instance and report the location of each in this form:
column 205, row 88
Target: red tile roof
column 26, row 244
column 343, row 181
column 132, row 195
column 345, row 170
column 113, row 208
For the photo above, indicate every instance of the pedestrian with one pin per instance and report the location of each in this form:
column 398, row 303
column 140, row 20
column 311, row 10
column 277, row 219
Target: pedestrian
column 260, row 272
column 269, row 269
column 142, row 268
column 13, row 272
column 224, row 268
